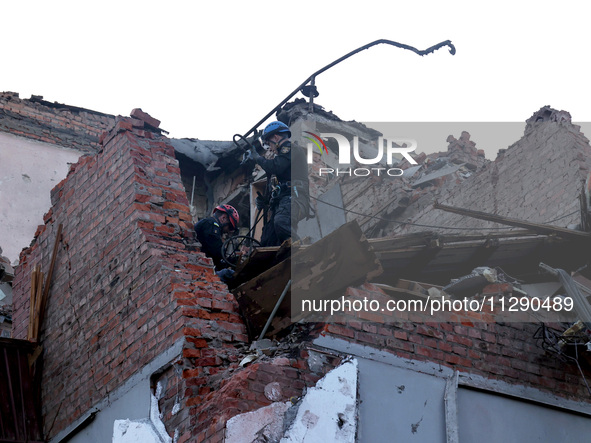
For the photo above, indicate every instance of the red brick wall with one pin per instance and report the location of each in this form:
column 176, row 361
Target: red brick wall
column 54, row 123
column 127, row 282
column 475, row 344
column 538, row 179
column 243, row 390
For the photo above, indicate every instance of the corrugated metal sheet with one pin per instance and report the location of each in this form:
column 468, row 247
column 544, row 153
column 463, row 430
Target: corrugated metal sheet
column 19, row 401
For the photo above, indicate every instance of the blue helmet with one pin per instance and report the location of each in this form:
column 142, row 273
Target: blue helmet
column 275, row 128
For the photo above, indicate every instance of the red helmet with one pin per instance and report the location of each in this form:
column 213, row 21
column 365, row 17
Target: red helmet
column 233, row 216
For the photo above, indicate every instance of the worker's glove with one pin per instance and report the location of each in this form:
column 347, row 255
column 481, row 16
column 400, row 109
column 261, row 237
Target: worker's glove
column 247, row 157
column 260, row 201
column 253, row 154
column 256, row 143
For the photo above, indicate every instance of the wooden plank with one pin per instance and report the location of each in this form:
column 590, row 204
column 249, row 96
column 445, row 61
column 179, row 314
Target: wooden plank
column 452, row 249
column 32, row 301
column 257, row 298
column 40, row 292
column 414, row 239
column 535, row 227
column 58, row 237
column 421, row 238
column 322, row 270
column 326, row 268
column 38, row 304
column 260, row 260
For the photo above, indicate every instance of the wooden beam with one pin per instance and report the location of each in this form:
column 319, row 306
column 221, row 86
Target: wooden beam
column 32, row 301
column 322, row 270
column 480, row 256
column 40, row 292
column 326, row 268
column 36, row 308
column 423, row 238
column 535, row 227
column 257, row 298
column 421, row 260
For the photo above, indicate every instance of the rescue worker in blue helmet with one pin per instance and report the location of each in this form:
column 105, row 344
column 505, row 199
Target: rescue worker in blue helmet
column 287, row 194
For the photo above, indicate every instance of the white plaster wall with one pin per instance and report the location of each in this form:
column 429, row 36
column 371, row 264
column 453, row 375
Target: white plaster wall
column 326, row 413
column 28, row 171
column 404, row 400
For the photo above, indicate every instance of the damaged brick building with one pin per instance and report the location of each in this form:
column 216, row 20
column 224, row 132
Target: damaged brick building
column 140, row 338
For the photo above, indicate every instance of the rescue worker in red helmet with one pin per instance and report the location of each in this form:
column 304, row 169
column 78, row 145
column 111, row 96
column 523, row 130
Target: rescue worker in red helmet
column 210, row 231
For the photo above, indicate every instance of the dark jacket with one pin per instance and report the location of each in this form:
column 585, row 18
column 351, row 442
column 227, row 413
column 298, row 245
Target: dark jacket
column 209, row 234
column 290, row 168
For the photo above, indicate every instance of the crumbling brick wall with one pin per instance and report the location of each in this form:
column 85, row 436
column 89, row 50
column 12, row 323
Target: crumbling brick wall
column 128, row 283
column 537, row 179
column 373, row 200
column 54, row 123
column 479, row 343
column 267, row 380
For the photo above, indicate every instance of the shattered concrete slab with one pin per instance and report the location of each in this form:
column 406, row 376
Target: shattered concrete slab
column 441, row 172
column 328, row 412
column 135, row 431
column 263, row 425
column 205, row 152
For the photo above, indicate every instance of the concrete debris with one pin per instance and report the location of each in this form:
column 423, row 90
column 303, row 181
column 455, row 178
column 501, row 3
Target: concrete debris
column 248, row 359
column 262, row 344
column 428, row 176
column 135, row 431
column 213, row 388
column 273, row 391
column 328, row 411
column 299, row 109
column 518, row 184
column 6, row 277
column 260, row 426
column 471, row 283
column 210, row 154
column 6, row 270
column 546, row 114
column 146, row 118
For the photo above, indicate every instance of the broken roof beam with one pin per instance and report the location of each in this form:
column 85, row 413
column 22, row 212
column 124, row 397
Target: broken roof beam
column 257, row 299
column 320, row 271
column 421, row 259
column 403, row 241
column 482, row 254
column 422, row 238
column 571, row 286
column 535, row 227
column 262, row 259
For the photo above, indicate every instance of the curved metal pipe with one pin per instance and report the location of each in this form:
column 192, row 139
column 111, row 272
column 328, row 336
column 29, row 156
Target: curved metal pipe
column 312, row 78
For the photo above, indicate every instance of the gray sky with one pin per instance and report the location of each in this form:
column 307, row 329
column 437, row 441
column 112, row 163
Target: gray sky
column 209, row 70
